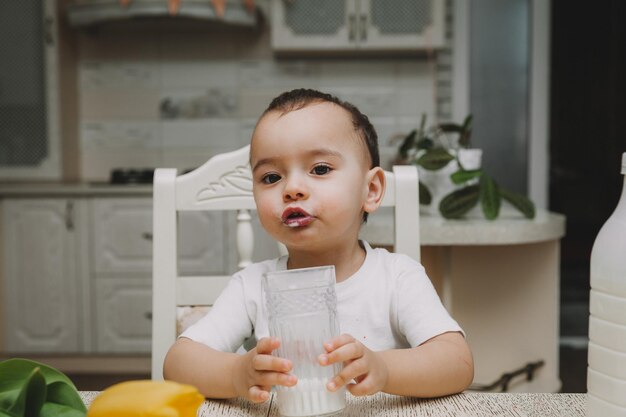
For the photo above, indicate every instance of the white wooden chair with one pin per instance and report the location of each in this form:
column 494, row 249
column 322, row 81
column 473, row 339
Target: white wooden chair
column 224, row 183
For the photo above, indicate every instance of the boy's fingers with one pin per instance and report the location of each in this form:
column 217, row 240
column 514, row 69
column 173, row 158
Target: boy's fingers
column 267, row 345
column 351, row 371
column 344, row 353
column 338, row 341
column 270, row 379
column 258, row 394
column 271, row 363
column 365, row 387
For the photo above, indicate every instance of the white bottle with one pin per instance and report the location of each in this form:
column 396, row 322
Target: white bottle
column 606, row 374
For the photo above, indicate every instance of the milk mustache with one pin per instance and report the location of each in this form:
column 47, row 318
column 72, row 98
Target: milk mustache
column 606, row 374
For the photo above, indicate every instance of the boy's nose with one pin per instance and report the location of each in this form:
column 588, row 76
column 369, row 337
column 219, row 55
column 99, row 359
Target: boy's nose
column 295, row 189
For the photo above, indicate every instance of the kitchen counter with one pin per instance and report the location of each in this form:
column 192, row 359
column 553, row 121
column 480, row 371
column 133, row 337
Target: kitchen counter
column 19, row 190
column 510, row 228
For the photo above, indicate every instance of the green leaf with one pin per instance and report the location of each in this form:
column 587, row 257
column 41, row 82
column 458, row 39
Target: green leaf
column 435, row 159
column 456, row 204
column 6, row 413
column 425, row 143
column 466, row 132
column 451, row 127
column 407, row 144
column 31, row 395
column 27, row 388
column 489, row 197
column 424, row 194
column 520, row 202
column 463, row 175
column 59, row 410
column 65, row 395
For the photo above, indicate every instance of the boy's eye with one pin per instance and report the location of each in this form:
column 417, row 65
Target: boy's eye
column 321, row 170
column 270, row 178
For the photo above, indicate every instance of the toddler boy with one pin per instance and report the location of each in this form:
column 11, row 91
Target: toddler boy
column 316, row 176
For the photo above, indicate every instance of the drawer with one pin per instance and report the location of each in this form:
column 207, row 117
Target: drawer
column 122, row 238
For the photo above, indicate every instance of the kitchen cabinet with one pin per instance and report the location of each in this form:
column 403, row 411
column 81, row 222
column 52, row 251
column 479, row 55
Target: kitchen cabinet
column 29, row 91
column 123, row 315
column 122, row 239
column 357, row 25
column 78, row 270
column 44, row 257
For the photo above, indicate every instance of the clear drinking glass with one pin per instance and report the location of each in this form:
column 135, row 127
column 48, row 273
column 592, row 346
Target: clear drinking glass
column 302, row 312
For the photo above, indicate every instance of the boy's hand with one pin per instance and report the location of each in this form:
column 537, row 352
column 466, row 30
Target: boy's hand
column 359, row 363
column 258, row 371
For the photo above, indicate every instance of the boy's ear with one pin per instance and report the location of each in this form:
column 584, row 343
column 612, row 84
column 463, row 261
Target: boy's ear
column 375, row 189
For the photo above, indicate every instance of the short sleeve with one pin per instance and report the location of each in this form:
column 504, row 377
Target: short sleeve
column 421, row 315
column 227, row 324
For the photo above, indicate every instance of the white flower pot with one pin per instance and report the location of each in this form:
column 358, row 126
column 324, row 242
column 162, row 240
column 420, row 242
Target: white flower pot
column 439, row 183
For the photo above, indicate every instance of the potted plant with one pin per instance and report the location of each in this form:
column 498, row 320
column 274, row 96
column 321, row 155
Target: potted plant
column 452, row 180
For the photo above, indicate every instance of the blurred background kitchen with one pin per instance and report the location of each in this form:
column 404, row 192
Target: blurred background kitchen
column 94, row 94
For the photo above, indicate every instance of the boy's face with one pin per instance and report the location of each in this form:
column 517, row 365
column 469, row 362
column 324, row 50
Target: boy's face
column 311, row 177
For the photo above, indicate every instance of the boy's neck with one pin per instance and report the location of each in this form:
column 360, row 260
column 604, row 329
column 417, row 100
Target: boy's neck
column 347, row 260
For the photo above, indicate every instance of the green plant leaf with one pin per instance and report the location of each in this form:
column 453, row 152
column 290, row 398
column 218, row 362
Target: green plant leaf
column 59, row 410
column 463, row 175
column 435, row 159
column 489, row 197
column 21, row 383
column 425, row 143
column 407, row 144
column 64, row 395
column 451, row 127
column 520, row 202
column 31, row 395
column 456, row 204
column 466, row 132
column 424, row 194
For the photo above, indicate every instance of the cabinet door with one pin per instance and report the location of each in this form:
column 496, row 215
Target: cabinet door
column 401, row 24
column 29, row 104
column 42, row 255
column 122, row 239
column 123, row 315
column 313, row 25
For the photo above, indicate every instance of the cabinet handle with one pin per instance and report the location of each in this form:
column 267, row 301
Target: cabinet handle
column 69, row 215
column 351, row 27
column 148, row 315
column 363, row 27
column 147, row 236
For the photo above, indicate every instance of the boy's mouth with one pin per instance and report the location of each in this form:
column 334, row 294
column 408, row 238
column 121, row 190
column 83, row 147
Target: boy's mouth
column 296, row 217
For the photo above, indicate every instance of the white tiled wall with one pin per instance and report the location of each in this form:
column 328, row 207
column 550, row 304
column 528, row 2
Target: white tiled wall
column 174, row 100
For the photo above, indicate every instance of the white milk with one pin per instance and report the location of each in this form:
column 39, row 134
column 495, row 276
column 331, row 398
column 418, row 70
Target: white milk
column 309, row 397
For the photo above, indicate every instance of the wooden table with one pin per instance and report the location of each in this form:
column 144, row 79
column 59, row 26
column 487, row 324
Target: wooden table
column 462, row 405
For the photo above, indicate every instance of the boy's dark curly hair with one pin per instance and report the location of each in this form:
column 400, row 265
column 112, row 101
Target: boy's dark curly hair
column 302, row 97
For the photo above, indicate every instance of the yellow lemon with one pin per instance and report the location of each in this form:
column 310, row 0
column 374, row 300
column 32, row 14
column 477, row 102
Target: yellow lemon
column 147, row 399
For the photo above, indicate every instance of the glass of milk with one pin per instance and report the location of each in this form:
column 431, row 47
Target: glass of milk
column 302, row 311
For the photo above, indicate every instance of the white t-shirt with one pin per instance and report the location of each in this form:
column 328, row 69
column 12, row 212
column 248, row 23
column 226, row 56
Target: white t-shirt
column 389, row 303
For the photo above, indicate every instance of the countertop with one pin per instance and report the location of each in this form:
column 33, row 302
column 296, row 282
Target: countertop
column 79, row 189
column 510, row 228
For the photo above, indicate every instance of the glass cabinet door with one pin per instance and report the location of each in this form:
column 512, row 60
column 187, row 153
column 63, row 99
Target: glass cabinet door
column 29, row 138
column 313, row 24
column 401, row 24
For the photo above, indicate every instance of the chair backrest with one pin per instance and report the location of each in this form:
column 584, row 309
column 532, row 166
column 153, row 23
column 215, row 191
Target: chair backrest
column 224, row 182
